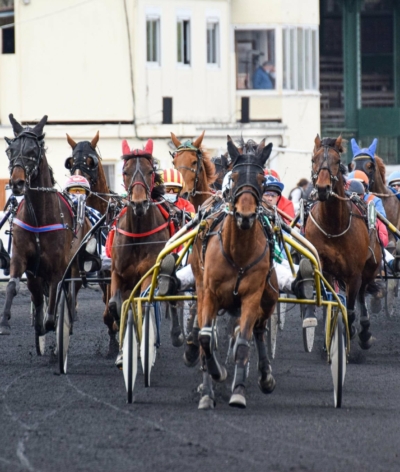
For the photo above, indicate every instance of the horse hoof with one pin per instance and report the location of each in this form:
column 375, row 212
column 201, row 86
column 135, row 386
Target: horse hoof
column 191, row 356
column 268, row 385
column 49, row 325
column 366, row 344
column 177, row 337
column 206, row 403
column 237, row 400
column 118, row 361
column 223, row 374
column 5, row 328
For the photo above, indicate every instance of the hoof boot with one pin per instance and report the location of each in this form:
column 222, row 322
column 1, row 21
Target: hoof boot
column 268, row 385
column 237, row 400
column 206, row 403
column 191, row 356
column 177, row 337
column 5, row 328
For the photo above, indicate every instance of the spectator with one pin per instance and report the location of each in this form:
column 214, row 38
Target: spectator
column 298, row 193
column 264, row 76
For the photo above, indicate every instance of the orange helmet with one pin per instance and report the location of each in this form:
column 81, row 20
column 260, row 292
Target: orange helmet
column 360, row 176
column 172, row 178
column 273, row 173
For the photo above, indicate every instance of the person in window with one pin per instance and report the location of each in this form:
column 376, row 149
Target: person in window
column 264, row 76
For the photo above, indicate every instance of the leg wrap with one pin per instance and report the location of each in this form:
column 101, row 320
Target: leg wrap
column 242, row 347
column 241, row 374
column 207, row 343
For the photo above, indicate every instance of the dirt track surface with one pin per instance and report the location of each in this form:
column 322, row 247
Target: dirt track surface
column 81, row 422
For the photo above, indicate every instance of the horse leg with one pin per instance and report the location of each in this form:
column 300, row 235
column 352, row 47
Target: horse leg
column 115, row 305
column 207, row 400
column 364, row 336
column 266, row 381
column 175, row 331
column 191, row 355
column 352, row 290
column 35, row 286
column 50, row 316
column 108, row 319
column 18, row 267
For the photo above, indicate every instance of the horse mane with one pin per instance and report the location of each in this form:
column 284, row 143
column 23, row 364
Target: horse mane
column 159, row 188
column 381, row 167
column 209, row 167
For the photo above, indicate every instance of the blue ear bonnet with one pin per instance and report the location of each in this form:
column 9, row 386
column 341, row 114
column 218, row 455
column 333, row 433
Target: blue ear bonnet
column 364, row 151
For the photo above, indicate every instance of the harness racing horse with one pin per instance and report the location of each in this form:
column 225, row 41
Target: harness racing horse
column 85, row 161
column 222, row 166
column 43, row 227
column 337, row 229
column 238, row 273
column 196, row 167
column 142, row 228
column 374, row 168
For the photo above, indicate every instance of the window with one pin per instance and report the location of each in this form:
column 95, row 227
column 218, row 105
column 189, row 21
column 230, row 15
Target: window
column 300, row 59
column 153, row 40
column 183, row 41
column 212, row 42
column 255, row 59
column 109, row 171
column 7, row 24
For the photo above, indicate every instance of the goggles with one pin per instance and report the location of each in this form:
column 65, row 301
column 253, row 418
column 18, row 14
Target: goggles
column 271, row 194
column 77, row 190
column 172, row 189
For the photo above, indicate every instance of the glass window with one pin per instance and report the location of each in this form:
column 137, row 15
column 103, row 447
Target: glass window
column 153, row 40
column 7, row 24
column 212, row 42
column 183, row 41
column 255, row 59
column 300, row 59
column 109, row 172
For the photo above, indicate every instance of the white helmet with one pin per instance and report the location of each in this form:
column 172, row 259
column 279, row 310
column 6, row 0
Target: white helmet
column 226, row 183
column 77, row 181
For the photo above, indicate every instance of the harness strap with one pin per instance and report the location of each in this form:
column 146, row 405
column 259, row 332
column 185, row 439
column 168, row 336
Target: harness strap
column 39, row 229
column 142, row 235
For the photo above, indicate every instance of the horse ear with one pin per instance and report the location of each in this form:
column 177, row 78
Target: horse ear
column 338, row 143
column 354, row 147
column 261, row 146
column 175, row 140
column 38, row 129
column 95, row 140
column 224, row 162
column 373, row 146
column 232, row 150
column 125, row 148
column 71, row 142
column 317, row 142
column 17, row 128
column 148, row 149
column 199, row 140
column 8, row 140
column 266, row 152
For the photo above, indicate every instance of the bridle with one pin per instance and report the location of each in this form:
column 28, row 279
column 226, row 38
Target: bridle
column 188, row 146
column 323, row 166
column 370, row 175
column 20, row 160
column 143, row 183
column 79, row 157
column 245, row 180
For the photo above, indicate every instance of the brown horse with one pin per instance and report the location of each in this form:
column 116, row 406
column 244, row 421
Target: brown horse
column 43, row 228
column 222, row 166
column 338, row 231
column 238, row 273
column 375, row 170
column 196, row 167
column 141, row 230
column 85, row 161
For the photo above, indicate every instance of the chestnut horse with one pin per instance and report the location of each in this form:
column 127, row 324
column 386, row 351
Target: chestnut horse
column 196, row 167
column 340, row 234
column 375, row 170
column 238, row 273
column 85, row 161
column 141, row 230
column 43, row 227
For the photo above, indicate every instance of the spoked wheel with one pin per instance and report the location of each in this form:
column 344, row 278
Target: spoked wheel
column 282, row 313
column 130, row 354
column 148, row 346
column 272, row 332
column 40, row 341
column 338, row 360
column 391, row 293
column 63, row 332
column 309, row 332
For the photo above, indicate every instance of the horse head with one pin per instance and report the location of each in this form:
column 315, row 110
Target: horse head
column 84, row 160
column 364, row 159
column 25, row 153
column 247, row 182
column 139, row 176
column 326, row 166
column 222, row 166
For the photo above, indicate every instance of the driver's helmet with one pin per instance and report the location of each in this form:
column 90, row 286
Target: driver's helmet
column 394, row 178
column 272, row 172
column 173, row 182
column 271, row 183
column 76, row 185
column 226, row 183
column 355, row 186
column 360, row 176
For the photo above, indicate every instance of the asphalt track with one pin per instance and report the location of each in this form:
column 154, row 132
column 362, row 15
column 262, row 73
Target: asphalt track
column 81, row 422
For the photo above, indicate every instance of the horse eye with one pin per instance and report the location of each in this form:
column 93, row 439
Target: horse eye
column 194, row 163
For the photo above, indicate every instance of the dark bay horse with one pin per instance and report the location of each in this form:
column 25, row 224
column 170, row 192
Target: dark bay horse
column 375, row 170
column 238, row 273
column 340, row 234
column 222, row 166
column 196, row 167
column 141, row 230
column 43, row 229
column 86, row 161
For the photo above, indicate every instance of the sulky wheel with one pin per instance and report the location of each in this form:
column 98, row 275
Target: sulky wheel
column 63, row 333
column 148, row 345
column 272, row 332
column 130, row 355
column 391, row 293
column 338, row 360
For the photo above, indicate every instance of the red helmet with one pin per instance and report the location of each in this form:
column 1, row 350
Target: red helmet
column 273, row 173
column 77, row 181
